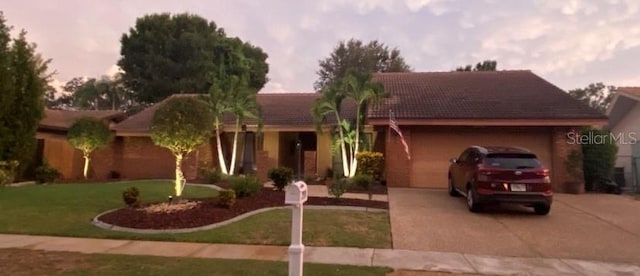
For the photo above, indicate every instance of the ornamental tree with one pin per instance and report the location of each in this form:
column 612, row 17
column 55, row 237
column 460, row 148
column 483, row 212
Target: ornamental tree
column 88, row 134
column 181, row 125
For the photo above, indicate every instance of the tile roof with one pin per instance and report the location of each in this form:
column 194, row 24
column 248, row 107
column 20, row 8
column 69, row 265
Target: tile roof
column 634, row 91
column 476, row 95
column 278, row 109
column 63, row 119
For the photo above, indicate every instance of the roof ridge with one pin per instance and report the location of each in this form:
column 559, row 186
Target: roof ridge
column 455, row 72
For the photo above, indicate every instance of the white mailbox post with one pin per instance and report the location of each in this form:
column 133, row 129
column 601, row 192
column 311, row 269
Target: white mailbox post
column 296, row 195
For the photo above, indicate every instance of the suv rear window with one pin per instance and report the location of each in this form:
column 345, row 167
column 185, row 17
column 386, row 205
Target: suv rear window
column 512, row 161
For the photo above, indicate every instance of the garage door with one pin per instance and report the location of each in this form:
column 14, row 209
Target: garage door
column 432, row 149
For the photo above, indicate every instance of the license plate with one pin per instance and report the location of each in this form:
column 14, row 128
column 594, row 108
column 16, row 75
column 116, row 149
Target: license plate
column 518, row 187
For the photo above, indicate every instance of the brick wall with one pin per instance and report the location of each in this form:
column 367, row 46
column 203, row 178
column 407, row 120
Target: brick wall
column 398, row 167
column 561, row 148
column 139, row 158
column 310, row 168
column 263, row 164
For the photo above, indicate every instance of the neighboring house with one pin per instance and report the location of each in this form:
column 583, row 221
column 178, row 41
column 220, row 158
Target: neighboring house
column 52, row 139
column 286, row 119
column 442, row 113
column 624, row 124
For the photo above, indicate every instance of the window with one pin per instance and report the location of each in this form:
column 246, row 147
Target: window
column 512, row 161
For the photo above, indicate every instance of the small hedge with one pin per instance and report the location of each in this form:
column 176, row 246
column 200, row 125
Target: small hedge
column 46, row 174
column 210, row 175
column 131, row 197
column 371, row 163
column 362, row 181
column 338, row 187
column 8, row 171
column 245, row 186
column 281, row 177
column 226, row 198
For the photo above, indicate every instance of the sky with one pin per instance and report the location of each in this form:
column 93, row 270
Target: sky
column 568, row 42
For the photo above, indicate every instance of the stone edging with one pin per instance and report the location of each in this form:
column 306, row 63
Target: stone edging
column 95, row 221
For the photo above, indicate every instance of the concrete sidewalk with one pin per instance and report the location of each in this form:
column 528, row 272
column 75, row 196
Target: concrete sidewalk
column 396, row 259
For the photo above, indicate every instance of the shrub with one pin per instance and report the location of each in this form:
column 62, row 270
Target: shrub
column 245, row 186
column 328, row 173
column 362, row 181
column 8, row 171
column 210, row 175
column 371, row 163
column 281, row 177
column 599, row 158
column 338, row 187
column 131, row 197
column 226, row 198
column 46, row 174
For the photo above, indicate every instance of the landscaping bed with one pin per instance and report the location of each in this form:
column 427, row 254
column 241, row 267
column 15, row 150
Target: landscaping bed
column 201, row 212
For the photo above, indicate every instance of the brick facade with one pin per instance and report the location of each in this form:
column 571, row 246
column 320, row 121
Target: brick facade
column 263, row 164
column 310, row 168
column 398, row 167
column 139, row 158
column 563, row 181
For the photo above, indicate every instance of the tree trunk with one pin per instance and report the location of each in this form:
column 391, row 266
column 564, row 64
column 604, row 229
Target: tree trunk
column 232, row 166
column 345, row 165
column 178, row 185
column 354, row 159
column 223, row 165
column 86, row 166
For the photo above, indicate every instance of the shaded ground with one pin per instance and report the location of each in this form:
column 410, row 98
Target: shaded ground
column 207, row 211
column 590, row 226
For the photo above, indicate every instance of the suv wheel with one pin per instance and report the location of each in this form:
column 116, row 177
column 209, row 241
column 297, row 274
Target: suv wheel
column 471, row 201
column 542, row 209
column 452, row 190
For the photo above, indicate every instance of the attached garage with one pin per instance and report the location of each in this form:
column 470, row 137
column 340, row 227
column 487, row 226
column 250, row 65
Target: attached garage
column 442, row 113
column 431, row 148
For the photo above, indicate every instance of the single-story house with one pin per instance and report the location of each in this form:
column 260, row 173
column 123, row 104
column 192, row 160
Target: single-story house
column 287, row 119
column 624, row 124
column 52, row 139
column 439, row 113
column 442, row 113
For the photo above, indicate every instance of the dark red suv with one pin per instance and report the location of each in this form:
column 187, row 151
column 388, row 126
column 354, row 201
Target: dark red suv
column 500, row 174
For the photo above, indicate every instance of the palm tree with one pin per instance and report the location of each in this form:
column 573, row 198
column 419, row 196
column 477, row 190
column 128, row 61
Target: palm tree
column 329, row 104
column 361, row 89
column 218, row 105
column 243, row 105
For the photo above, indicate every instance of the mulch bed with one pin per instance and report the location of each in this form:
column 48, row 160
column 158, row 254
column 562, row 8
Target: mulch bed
column 209, row 212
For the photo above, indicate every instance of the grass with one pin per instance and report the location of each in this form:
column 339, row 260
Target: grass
column 66, row 210
column 23, row 262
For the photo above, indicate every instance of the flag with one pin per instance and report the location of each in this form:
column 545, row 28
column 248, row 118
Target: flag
column 394, row 125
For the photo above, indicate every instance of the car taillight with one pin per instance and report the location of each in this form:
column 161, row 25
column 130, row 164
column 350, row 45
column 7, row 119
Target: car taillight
column 545, row 174
column 484, row 174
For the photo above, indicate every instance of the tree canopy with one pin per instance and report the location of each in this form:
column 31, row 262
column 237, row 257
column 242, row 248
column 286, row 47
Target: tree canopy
column 356, row 57
column 88, row 134
column 181, row 125
column 105, row 93
column 487, row 65
column 596, row 95
column 167, row 54
column 23, row 81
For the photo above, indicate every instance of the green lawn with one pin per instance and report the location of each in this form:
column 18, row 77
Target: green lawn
column 29, row 262
column 67, row 209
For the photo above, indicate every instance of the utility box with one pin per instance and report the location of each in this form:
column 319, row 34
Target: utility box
column 296, row 193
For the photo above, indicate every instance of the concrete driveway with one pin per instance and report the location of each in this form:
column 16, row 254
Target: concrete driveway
column 590, row 226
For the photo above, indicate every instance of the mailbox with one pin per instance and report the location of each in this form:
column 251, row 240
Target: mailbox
column 296, row 193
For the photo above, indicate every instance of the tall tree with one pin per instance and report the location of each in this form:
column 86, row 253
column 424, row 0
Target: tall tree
column 181, row 125
column 166, row 54
column 596, row 95
column 23, row 81
column 358, row 58
column 487, row 65
column 106, row 93
column 88, row 134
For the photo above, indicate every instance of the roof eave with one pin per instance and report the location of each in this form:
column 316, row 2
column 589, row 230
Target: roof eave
column 493, row 122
